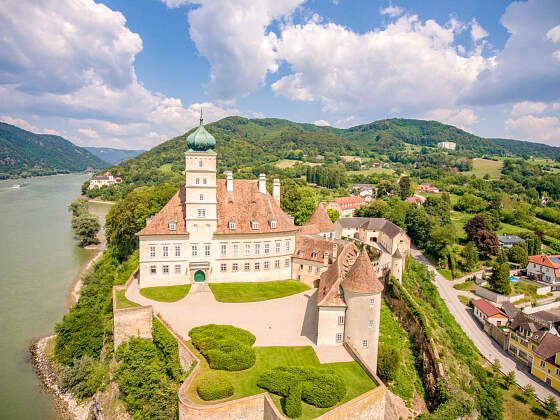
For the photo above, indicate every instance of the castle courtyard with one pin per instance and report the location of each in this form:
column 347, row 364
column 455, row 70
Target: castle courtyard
column 288, row 321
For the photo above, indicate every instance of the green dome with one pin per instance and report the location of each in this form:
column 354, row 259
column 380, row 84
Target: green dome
column 201, row 140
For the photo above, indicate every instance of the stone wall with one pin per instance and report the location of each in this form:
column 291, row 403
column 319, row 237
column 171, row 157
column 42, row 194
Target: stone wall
column 495, row 297
column 368, row 406
column 497, row 334
column 546, row 307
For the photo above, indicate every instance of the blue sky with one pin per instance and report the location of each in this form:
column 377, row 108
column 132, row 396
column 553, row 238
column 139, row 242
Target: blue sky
column 132, row 74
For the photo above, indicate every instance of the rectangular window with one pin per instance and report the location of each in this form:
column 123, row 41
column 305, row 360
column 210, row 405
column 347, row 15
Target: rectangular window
column 266, row 248
column 166, row 251
column 201, row 212
column 234, row 267
column 277, row 264
column 153, row 269
column 257, row 249
column 371, row 303
column 177, row 250
column 318, row 270
column 301, row 266
column 201, row 197
column 207, row 250
column 278, row 245
column 371, row 323
column 246, row 267
column 172, row 226
column 223, row 267
column 235, row 250
column 339, row 337
column 194, row 250
column 165, row 269
column 257, row 266
column 364, row 344
column 310, row 269
column 543, row 364
column 204, row 181
column 288, row 246
column 197, row 181
column 266, row 265
column 287, row 262
column 152, row 251
column 177, row 268
column 341, row 320
column 247, row 249
column 557, row 372
column 223, row 250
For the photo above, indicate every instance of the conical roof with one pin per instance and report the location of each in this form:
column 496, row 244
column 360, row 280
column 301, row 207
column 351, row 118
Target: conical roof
column 362, row 278
column 321, row 220
column 201, row 140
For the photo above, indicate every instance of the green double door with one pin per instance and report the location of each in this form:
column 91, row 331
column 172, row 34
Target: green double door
column 199, row 276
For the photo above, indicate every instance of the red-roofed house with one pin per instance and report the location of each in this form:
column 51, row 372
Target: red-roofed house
column 416, row 199
column 545, row 268
column 485, row 311
column 427, row 187
column 346, row 206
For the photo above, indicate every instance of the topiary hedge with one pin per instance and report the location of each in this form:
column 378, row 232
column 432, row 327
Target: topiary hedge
column 214, row 386
column 321, row 388
column 224, row 346
column 292, row 406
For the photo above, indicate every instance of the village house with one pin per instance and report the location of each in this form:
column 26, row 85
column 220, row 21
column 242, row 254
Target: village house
column 427, row 188
column 366, row 191
column 101, row 180
column 485, row 311
column 546, row 361
column 346, row 206
column 449, row 145
column 545, row 268
column 507, row 241
column 416, row 199
column 526, row 333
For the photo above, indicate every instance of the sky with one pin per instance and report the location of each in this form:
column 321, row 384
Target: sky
column 134, row 73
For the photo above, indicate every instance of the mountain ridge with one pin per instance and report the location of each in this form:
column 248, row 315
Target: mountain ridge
column 112, row 155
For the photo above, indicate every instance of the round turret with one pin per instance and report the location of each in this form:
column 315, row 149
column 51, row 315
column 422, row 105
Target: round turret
column 201, row 140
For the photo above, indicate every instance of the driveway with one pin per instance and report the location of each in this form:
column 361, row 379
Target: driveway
column 485, row 344
column 288, row 321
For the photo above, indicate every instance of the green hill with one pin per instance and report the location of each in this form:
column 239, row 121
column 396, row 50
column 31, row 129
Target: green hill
column 23, row 153
column 113, row 156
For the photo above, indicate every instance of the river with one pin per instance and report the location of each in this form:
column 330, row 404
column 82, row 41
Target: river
column 39, row 259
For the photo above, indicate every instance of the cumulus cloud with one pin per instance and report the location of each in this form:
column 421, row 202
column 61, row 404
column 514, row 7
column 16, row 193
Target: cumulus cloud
column 529, row 127
column 477, row 31
column 463, row 118
column 19, row 122
column 75, row 60
column 321, row 123
column 527, row 107
column 392, row 11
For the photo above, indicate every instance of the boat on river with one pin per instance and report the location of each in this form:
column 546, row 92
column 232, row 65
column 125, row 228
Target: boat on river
column 20, row 184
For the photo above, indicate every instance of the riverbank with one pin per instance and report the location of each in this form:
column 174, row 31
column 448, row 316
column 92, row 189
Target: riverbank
column 93, row 200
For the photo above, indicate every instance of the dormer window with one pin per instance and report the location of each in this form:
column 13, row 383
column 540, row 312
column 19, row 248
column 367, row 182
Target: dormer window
column 231, row 225
column 314, row 254
column 300, row 253
column 172, row 225
column 254, row 225
column 273, row 224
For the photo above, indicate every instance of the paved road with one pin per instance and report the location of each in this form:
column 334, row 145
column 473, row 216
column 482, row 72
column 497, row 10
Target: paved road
column 485, row 344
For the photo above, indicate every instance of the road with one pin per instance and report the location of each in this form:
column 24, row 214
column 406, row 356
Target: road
column 485, row 344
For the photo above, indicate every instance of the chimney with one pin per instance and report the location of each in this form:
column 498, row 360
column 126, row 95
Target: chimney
column 326, row 258
column 229, row 181
column 335, row 251
column 276, row 190
column 262, row 183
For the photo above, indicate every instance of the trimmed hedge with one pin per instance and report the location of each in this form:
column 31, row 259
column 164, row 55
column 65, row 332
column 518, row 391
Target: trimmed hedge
column 388, row 362
column 321, row 388
column 224, row 346
column 214, row 386
column 292, row 407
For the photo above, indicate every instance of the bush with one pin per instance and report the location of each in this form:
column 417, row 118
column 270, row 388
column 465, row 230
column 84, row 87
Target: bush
column 388, row 362
column 214, row 386
column 224, row 346
column 292, row 407
column 84, row 378
column 321, row 388
column 167, row 345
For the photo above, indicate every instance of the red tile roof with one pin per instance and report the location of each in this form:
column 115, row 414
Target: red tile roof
column 548, row 347
column 362, row 278
column 173, row 210
column 328, row 293
column 313, row 248
column 350, row 202
column 487, row 308
column 545, row 260
column 319, row 221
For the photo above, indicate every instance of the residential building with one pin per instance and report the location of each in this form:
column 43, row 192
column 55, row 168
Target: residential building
column 507, row 241
column 364, row 190
column 312, row 257
column 546, row 361
column 545, row 268
column 449, row 145
column 416, row 199
column 485, row 311
column 101, row 180
column 427, row 188
column 346, row 206
column 526, row 333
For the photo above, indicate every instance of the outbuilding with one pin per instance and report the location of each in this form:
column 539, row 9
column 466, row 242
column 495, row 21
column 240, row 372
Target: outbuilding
column 485, row 311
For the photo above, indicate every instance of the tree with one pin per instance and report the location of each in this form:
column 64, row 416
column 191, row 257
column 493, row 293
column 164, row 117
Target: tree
column 377, row 208
column 385, row 188
column 438, row 208
column 388, row 362
column 473, row 226
column 418, row 225
column 470, row 254
column 499, row 280
column 441, row 238
column 509, row 379
column 529, row 392
column 550, row 405
column 85, row 227
column 490, row 401
column 471, row 204
column 517, row 254
column 333, row 214
column 404, row 187
column 305, row 209
column 487, row 242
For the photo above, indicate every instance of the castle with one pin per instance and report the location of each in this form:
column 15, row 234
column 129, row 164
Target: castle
column 226, row 230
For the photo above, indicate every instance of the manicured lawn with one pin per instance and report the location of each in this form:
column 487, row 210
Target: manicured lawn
column 166, row 293
column 391, row 332
column 482, row 167
column 255, row 292
column 245, row 382
column 122, row 301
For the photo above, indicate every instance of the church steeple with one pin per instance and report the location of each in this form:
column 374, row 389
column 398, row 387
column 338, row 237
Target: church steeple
column 201, row 140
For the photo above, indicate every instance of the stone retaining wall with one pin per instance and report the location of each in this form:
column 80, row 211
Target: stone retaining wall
column 497, row 334
column 495, row 297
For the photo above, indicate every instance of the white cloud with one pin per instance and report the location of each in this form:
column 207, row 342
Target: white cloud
column 19, row 122
column 392, row 11
column 554, row 34
column 529, row 127
column 463, row 118
column 172, row 4
column 321, row 123
column 477, row 31
column 409, row 66
column 88, row 132
column 527, row 107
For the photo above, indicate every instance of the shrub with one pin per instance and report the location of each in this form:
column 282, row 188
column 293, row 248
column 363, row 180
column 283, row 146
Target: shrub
column 167, row 345
column 224, row 346
column 388, row 362
column 84, row 377
column 292, row 408
column 214, row 386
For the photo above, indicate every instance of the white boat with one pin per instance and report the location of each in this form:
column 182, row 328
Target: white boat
column 20, row 184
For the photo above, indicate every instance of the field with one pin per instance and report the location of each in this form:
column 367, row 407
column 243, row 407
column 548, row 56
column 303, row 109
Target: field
column 371, row 171
column 288, row 163
column 245, row 381
column 482, row 167
column 255, row 292
column 351, row 158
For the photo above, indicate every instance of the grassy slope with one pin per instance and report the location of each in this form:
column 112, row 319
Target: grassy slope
column 122, row 301
column 244, row 382
column 255, row 292
column 166, row 293
column 482, row 167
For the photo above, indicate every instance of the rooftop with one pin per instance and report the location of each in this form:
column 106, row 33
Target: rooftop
column 487, row 308
column 548, row 347
column 319, row 221
column 370, row 223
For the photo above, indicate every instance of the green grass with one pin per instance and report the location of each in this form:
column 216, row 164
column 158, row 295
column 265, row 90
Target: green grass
column 467, row 285
column 166, row 293
column 255, row 292
column 245, row 382
column 371, row 171
column 122, row 301
column 391, row 332
column 464, row 300
column 482, row 167
column 516, row 407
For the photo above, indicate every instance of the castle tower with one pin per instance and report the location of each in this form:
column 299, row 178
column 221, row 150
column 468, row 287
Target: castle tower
column 362, row 293
column 200, row 197
column 397, row 265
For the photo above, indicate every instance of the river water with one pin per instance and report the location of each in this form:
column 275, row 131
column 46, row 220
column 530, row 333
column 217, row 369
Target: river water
column 38, row 262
